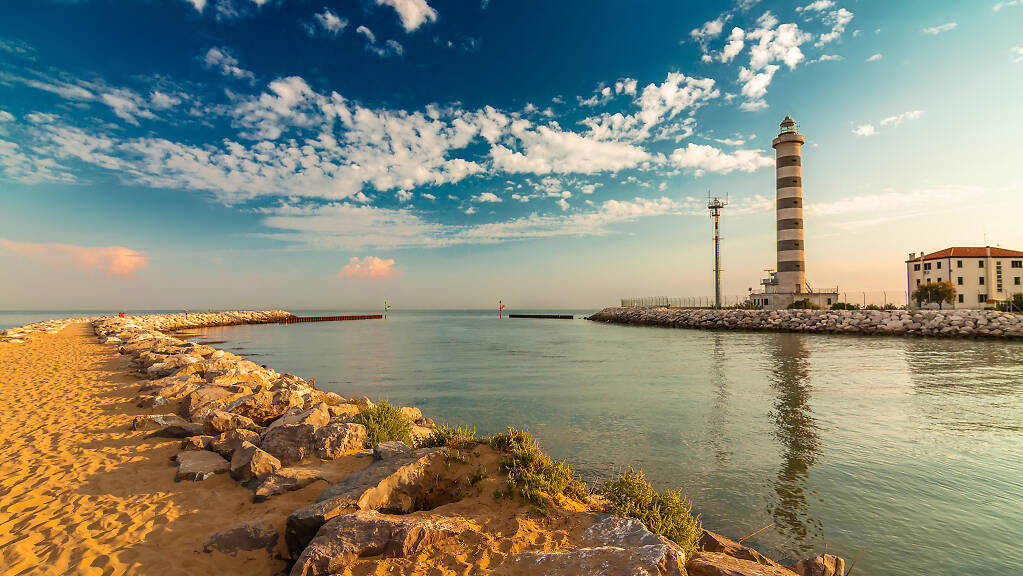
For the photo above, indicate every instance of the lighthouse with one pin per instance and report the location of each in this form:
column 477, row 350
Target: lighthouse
column 786, row 285
column 791, row 271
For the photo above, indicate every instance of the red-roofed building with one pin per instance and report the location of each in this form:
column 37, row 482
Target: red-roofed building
column 981, row 275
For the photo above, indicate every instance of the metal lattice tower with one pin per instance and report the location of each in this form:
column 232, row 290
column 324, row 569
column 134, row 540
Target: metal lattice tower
column 715, row 204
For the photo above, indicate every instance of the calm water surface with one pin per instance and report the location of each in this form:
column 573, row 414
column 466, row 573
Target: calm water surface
column 909, row 450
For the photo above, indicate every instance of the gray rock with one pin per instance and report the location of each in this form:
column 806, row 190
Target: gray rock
column 711, row 564
column 385, row 450
column 249, row 462
column 156, row 421
column 820, row 565
column 286, row 480
column 220, row 422
column 199, row 465
column 392, row 485
column 292, row 438
column 178, row 431
column 338, row 438
column 229, row 441
column 346, row 538
column 197, row 443
column 248, row 536
column 651, row 560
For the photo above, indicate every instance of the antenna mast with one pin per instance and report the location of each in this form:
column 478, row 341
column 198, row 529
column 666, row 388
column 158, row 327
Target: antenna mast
column 715, row 204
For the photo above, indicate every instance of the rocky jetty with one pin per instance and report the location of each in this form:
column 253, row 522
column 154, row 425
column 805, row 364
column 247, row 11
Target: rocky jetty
column 23, row 334
column 402, row 509
column 931, row 323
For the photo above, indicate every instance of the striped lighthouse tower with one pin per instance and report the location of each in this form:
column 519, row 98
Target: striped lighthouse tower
column 791, row 271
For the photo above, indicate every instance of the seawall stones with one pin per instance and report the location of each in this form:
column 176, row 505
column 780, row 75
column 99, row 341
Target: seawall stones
column 933, row 323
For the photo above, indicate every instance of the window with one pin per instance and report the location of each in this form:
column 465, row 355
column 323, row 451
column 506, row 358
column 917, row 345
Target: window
column 960, row 298
column 927, row 266
column 928, row 280
column 829, row 299
column 981, row 279
column 765, row 301
column 959, row 263
column 980, row 263
column 916, row 267
column 1016, row 282
column 1017, row 263
column 917, row 281
column 959, row 280
column 939, row 265
column 939, row 278
column 981, row 298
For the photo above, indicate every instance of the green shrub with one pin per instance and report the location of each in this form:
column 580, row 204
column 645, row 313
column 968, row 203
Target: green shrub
column 1013, row 305
column 533, row 473
column 667, row 513
column 747, row 305
column 803, row 304
column 452, row 437
column 844, row 306
column 384, row 422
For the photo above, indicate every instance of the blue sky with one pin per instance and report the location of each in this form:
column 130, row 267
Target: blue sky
column 190, row 153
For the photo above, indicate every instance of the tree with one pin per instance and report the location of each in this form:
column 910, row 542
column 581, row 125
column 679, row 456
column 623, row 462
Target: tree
column 935, row 293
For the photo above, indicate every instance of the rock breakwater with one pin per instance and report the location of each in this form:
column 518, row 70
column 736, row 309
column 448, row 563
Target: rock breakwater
column 931, row 323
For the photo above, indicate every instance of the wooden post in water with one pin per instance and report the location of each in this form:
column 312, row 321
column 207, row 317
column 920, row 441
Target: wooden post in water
column 500, row 309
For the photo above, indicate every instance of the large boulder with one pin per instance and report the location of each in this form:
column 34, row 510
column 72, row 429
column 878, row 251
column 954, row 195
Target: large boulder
column 199, row 465
column 343, row 411
column 229, row 441
column 220, row 422
column 820, row 565
column 286, row 480
column 178, row 431
column 711, row 564
column 345, row 539
column 292, row 438
column 718, row 544
column 207, row 399
column 264, row 406
column 611, row 545
column 249, row 462
column 392, row 485
column 171, row 365
column 248, row 536
column 338, row 438
column 385, row 450
column 156, row 421
column 197, row 443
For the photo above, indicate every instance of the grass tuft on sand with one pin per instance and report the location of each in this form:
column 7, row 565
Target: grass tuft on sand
column 666, row 513
column 384, row 423
column 533, row 474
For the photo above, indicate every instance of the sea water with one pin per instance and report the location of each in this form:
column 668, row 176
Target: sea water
column 906, row 453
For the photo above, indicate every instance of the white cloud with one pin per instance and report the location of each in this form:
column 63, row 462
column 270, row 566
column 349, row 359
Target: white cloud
column 1001, row 5
column 413, row 13
column 367, row 33
column 730, row 141
column 658, row 104
column 892, row 201
column 370, row 267
column 428, row 196
column 1018, row 51
column 935, row 30
column 223, row 61
column 864, row 130
column 6, row 116
column 563, row 204
column 816, row 6
column 875, row 58
column 838, row 20
column 770, row 42
column 487, row 197
column 547, row 149
column 709, row 31
column 734, row 46
column 894, row 121
column 352, row 227
column 330, row 22
column 17, row 165
column 829, row 58
column 702, row 158
column 198, row 4
column 403, row 196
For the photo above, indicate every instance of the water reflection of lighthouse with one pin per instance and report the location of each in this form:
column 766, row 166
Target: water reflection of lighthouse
column 798, row 435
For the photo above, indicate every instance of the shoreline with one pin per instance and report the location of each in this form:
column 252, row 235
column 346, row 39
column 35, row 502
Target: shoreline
column 281, row 438
column 969, row 324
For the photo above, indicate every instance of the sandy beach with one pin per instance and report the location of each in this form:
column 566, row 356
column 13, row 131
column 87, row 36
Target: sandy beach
column 81, row 493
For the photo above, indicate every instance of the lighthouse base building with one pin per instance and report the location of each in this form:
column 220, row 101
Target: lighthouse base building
column 787, row 283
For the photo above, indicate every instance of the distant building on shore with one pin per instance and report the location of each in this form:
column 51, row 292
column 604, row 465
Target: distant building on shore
column 787, row 283
column 982, row 275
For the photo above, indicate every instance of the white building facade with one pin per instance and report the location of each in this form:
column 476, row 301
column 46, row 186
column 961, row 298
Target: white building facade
column 981, row 276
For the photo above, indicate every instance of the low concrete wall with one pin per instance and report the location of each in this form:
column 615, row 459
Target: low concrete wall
column 948, row 323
